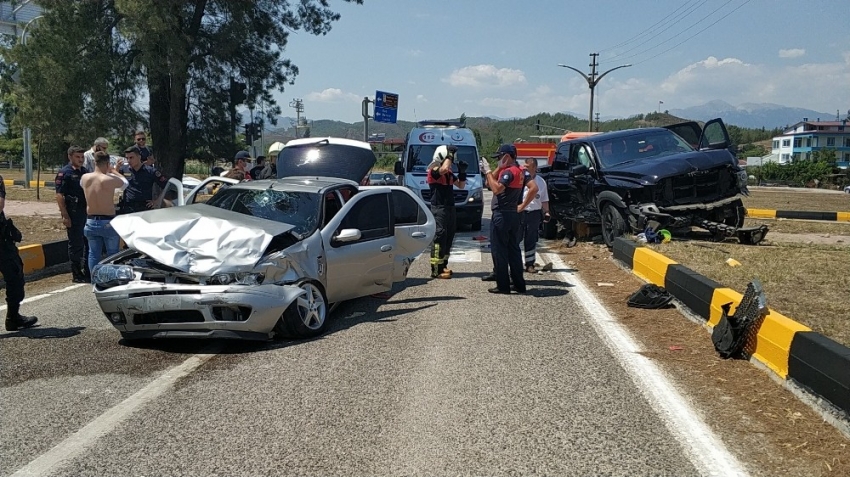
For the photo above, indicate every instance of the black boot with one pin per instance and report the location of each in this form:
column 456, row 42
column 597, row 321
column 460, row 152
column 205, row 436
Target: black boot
column 78, row 273
column 15, row 321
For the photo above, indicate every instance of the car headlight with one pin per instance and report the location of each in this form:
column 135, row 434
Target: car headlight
column 237, row 279
column 742, row 178
column 110, row 275
column 477, row 195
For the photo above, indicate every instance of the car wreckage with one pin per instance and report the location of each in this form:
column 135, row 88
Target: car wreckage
column 263, row 259
column 644, row 180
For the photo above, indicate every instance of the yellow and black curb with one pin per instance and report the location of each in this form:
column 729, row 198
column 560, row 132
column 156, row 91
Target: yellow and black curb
column 798, row 215
column 790, row 349
column 39, row 256
column 10, row 183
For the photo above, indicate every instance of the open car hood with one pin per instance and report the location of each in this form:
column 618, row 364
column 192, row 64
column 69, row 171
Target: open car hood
column 199, row 239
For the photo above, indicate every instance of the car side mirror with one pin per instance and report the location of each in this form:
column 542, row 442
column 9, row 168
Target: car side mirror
column 579, row 170
column 348, row 235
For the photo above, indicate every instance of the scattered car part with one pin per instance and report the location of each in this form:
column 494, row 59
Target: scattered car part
column 731, row 333
column 650, row 296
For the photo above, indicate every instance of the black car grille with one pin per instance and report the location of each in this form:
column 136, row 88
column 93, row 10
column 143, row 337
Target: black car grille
column 699, row 186
column 460, row 195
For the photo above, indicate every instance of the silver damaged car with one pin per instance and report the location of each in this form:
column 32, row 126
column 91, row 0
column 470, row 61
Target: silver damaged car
column 264, row 259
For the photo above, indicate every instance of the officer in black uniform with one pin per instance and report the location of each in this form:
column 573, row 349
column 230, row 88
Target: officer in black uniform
column 12, row 269
column 72, row 205
column 141, row 178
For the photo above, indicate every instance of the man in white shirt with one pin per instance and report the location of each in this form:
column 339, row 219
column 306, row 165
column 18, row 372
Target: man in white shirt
column 100, row 144
column 537, row 210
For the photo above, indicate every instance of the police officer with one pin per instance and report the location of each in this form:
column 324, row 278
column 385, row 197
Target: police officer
column 12, row 269
column 507, row 183
column 441, row 180
column 141, row 178
column 72, row 205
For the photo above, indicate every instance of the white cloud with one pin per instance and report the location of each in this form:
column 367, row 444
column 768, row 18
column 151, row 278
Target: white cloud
column 332, row 95
column 414, row 53
column 420, row 98
column 485, row 75
column 792, row 53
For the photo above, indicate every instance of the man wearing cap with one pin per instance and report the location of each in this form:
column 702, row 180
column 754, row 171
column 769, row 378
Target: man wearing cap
column 141, row 178
column 240, row 162
column 507, row 183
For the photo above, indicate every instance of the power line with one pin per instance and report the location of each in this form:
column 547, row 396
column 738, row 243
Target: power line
column 686, row 14
column 695, row 34
column 650, row 29
column 687, row 29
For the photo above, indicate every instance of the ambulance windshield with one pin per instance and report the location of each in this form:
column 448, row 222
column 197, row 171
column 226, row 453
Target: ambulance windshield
column 419, row 156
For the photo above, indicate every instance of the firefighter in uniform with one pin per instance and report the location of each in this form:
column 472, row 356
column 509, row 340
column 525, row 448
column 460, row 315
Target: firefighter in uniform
column 12, row 269
column 72, row 205
column 507, row 183
column 138, row 195
column 441, row 180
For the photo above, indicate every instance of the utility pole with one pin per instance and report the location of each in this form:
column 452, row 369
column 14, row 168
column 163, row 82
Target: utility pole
column 299, row 108
column 597, row 122
column 592, row 81
column 27, row 131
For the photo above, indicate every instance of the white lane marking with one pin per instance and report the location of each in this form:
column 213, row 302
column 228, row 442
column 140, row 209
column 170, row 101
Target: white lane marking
column 45, row 295
column 701, row 445
column 81, row 440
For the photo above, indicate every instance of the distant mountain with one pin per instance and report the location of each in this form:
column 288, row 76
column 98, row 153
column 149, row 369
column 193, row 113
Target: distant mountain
column 751, row 115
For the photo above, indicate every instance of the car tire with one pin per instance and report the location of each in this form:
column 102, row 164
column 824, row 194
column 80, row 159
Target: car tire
column 307, row 316
column 550, row 229
column 613, row 224
column 737, row 220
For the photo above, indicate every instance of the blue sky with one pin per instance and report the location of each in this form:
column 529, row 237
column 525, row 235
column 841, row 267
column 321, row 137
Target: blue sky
column 499, row 57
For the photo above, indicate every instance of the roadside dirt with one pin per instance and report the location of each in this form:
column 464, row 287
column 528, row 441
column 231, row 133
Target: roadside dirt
column 759, row 420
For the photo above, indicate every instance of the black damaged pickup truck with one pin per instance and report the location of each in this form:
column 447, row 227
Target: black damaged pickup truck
column 672, row 177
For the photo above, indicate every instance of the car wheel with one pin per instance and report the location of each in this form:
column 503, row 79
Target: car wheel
column 736, row 219
column 307, row 316
column 613, row 224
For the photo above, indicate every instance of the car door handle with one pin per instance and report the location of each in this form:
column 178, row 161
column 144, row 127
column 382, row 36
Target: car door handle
column 418, row 235
column 386, row 248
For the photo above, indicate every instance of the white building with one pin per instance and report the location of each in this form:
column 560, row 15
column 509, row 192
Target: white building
column 15, row 14
column 801, row 140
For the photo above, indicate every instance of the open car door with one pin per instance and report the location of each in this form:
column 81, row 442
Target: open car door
column 415, row 228
column 173, row 194
column 712, row 136
column 207, row 188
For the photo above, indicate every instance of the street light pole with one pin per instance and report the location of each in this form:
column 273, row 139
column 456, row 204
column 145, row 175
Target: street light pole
column 27, row 132
column 592, row 81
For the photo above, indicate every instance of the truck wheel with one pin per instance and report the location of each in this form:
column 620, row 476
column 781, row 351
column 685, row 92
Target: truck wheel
column 613, row 224
column 738, row 212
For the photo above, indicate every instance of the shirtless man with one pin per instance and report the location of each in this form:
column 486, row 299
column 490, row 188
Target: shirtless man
column 99, row 187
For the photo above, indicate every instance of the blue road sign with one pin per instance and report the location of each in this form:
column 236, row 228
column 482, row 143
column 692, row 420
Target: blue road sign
column 386, row 107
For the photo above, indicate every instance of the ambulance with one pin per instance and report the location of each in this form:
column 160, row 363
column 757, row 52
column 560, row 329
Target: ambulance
column 419, row 147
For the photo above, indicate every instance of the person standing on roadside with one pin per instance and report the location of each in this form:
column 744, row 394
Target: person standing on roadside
column 12, row 269
column 141, row 141
column 99, row 187
column 441, row 180
column 100, row 144
column 72, row 205
column 507, row 183
column 536, row 210
column 240, row 162
column 141, row 178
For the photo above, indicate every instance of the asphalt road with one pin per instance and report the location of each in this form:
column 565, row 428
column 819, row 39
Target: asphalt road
column 441, row 378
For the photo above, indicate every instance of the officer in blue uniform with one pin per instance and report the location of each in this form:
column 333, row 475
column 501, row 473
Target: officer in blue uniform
column 507, row 183
column 72, row 205
column 141, row 178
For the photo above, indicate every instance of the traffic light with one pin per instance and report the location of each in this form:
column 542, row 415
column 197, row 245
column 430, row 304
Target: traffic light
column 238, row 92
column 537, row 125
column 249, row 132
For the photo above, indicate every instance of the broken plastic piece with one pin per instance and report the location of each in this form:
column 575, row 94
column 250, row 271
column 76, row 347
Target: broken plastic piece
column 732, row 262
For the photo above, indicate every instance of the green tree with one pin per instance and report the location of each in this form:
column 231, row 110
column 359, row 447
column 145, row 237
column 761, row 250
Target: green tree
column 87, row 60
column 826, row 155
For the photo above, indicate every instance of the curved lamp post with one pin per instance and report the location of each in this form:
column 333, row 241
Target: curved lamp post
column 27, row 132
column 592, row 81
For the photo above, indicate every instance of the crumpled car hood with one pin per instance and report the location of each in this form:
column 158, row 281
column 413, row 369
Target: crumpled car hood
column 199, row 239
column 649, row 171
